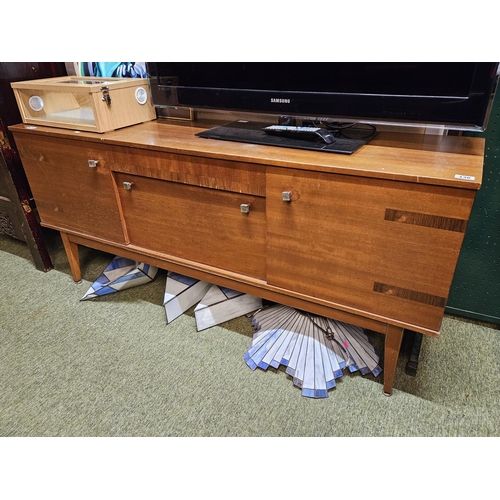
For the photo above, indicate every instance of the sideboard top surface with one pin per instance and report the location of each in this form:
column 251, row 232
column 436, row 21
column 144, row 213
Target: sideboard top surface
column 454, row 161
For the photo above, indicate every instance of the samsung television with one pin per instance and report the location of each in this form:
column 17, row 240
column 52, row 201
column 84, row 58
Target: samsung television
column 456, row 95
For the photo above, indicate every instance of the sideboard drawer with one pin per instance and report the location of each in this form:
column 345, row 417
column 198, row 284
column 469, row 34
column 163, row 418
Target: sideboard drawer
column 209, row 226
column 215, row 173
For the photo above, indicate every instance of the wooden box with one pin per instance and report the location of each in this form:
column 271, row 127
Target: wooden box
column 85, row 103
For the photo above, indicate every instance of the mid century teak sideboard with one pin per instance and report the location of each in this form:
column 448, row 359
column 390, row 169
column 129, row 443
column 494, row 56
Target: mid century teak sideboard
column 371, row 238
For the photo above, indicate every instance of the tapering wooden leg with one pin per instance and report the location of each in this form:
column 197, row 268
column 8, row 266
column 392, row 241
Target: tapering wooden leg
column 73, row 258
column 393, row 337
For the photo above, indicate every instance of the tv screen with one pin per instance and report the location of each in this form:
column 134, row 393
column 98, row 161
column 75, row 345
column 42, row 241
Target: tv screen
column 453, row 95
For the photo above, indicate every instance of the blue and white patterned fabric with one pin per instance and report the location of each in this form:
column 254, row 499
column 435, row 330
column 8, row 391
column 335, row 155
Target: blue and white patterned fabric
column 120, row 274
column 313, row 349
column 222, row 304
column 181, row 293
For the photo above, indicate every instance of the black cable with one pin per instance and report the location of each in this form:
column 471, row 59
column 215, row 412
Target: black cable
column 340, row 128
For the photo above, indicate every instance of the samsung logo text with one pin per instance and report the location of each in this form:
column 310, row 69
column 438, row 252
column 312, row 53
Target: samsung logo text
column 280, row 101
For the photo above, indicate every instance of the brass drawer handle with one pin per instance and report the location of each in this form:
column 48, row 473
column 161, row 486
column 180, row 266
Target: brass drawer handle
column 286, row 196
column 127, row 185
column 245, row 208
column 93, row 163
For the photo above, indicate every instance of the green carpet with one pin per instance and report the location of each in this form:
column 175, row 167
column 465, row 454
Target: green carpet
column 112, row 367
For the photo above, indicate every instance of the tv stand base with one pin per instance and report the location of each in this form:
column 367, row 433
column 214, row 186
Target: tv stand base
column 251, row 132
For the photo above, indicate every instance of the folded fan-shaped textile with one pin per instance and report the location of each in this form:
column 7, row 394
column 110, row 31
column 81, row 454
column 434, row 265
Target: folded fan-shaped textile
column 313, row 348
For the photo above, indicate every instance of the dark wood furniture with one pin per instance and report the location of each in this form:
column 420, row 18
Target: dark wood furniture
column 18, row 215
column 371, row 238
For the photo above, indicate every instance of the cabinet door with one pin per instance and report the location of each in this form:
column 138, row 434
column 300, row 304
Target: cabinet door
column 70, row 194
column 386, row 249
column 198, row 224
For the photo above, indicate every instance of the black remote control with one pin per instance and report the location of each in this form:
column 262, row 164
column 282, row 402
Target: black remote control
column 303, row 133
